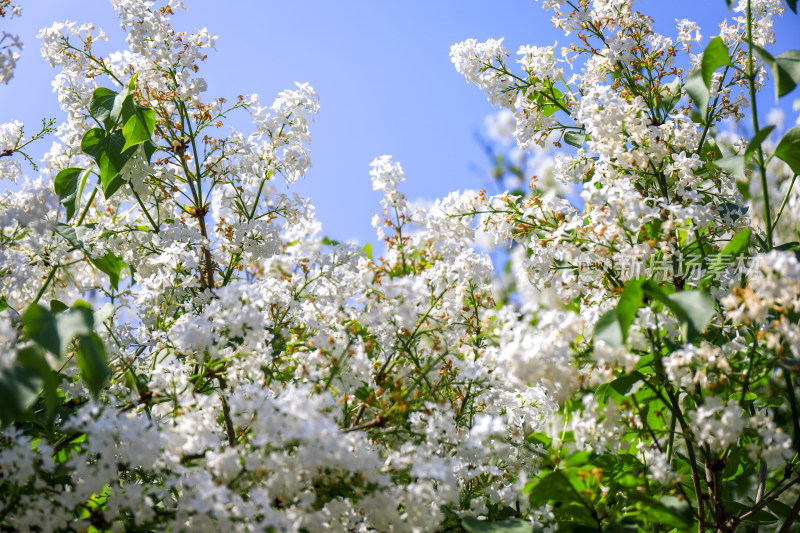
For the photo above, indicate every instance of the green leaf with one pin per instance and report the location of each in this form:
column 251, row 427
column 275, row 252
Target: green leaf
column 788, row 149
column 744, row 190
column 81, row 303
column 367, row 249
column 790, row 247
column 735, row 247
column 789, row 68
column 785, row 69
column 110, row 264
column 54, row 332
column 41, row 326
column 760, row 517
column 73, row 234
column 697, row 90
column 575, row 139
column 554, row 486
column 132, row 82
column 792, row 5
column 581, row 458
column 693, row 309
column 149, row 148
column 780, row 509
column 630, row 301
column 699, row 81
column 738, row 244
column 678, row 508
column 92, row 361
column 66, row 187
column 670, row 95
column 19, row 388
column 514, row 525
column 138, row 123
column 734, row 165
column 757, row 139
column 56, row 306
column 623, row 385
column 104, row 313
column 609, row 330
column 74, row 322
column 539, row 438
column 102, row 107
column 714, row 56
column 33, row 357
column 666, row 510
column 364, row 393
column 697, row 308
column 600, row 393
column 546, row 100
column 710, row 150
column 107, row 151
column 731, row 210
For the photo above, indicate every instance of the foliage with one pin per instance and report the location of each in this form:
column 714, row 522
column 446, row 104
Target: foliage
column 209, row 361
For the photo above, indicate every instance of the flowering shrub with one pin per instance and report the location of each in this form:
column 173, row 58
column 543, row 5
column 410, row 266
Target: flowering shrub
column 182, row 349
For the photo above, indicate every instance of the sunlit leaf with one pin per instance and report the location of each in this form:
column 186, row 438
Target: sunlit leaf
column 138, row 123
column 575, row 139
column 788, row 149
column 785, row 69
column 102, row 107
column 714, row 56
column 92, row 361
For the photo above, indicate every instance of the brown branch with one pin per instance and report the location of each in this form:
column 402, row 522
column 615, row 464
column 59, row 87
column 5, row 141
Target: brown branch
column 687, row 432
column 714, row 480
column 773, row 494
column 761, row 487
column 377, row 422
column 791, row 517
column 358, row 416
column 230, row 431
column 208, row 260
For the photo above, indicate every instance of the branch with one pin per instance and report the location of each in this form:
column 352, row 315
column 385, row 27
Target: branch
column 230, row 431
column 377, row 422
column 698, row 490
column 791, row 517
column 773, row 494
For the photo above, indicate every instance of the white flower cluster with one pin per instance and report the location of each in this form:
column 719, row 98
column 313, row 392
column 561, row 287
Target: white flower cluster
column 484, row 65
column 10, row 45
column 480, row 64
column 762, row 12
column 283, row 129
column 776, row 291
column 10, row 135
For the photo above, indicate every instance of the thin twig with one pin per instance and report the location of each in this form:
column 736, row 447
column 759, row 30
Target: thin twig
column 359, row 414
column 760, row 488
column 377, row 422
column 230, row 431
column 687, row 432
column 790, row 519
column 772, row 495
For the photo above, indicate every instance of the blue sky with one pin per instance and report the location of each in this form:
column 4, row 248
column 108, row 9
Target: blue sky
column 382, row 70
